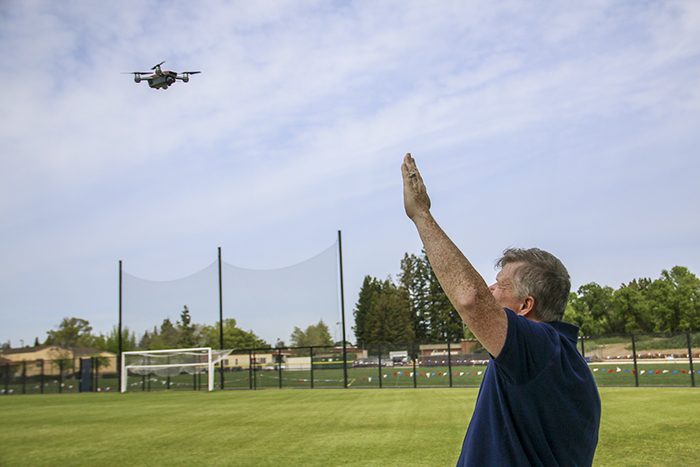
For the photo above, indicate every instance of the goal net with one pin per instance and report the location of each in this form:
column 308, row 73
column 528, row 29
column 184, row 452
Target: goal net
column 171, row 362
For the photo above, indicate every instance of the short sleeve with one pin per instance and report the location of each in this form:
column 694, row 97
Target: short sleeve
column 529, row 348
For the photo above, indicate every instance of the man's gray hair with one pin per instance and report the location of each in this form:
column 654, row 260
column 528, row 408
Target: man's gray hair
column 541, row 276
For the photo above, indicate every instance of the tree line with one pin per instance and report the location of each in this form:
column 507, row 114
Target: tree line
column 670, row 303
column 77, row 332
column 414, row 308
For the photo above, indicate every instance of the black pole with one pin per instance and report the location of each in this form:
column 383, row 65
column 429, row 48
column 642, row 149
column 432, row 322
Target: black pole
column 690, row 359
column 379, row 356
column 250, row 368
column 311, row 358
column 342, row 310
column 221, row 321
column 414, row 357
column 60, row 376
column 449, row 361
column 119, row 357
column 279, row 364
column 634, row 356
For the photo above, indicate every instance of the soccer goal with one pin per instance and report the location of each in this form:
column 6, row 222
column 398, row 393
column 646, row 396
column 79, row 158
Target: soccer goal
column 171, row 362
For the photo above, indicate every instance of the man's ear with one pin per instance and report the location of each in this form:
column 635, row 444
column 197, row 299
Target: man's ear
column 527, row 308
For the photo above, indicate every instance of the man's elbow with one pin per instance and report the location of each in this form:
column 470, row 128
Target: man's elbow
column 466, row 305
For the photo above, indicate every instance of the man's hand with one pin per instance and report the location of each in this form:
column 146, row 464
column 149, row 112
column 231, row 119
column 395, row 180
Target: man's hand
column 415, row 197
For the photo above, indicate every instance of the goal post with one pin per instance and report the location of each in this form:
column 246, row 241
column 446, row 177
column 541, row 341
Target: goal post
column 171, row 362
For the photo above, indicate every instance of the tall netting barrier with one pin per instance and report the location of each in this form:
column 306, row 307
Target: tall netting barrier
column 146, row 304
column 270, row 303
column 273, row 302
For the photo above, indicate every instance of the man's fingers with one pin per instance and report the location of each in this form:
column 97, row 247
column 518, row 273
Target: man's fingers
column 409, row 166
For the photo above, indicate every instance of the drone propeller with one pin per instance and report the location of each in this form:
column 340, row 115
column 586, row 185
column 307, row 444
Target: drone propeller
column 136, row 72
column 190, row 72
column 158, row 65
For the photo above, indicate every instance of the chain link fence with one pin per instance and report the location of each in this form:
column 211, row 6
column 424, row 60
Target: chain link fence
column 642, row 360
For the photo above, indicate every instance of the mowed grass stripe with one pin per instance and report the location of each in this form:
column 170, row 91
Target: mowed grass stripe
column 391, row 427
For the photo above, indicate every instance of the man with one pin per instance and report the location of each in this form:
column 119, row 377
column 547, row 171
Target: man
column 538, row 404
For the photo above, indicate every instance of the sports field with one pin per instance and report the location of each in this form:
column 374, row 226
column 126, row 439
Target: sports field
column 332, row 427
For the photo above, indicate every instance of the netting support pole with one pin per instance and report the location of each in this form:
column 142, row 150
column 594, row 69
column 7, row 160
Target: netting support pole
column 342, row 310
column 119, row 358
column 221, row 320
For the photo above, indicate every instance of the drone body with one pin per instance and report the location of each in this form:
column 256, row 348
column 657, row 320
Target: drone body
column 161, row 79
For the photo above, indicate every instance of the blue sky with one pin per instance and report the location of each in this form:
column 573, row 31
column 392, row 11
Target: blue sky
column 571, row 126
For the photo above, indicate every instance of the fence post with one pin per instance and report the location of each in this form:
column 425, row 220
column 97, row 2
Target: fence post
column 449, row 361
column 7, row 378
column 311, row 359
column 414, row 358
column 250, row 369
column 24, row 377
column 97, row 374
column 221, row 372
column 634, row 356
column 41, row 378
column 379, row 360
column 279, row 364
column 60, row 376
column 690, row 359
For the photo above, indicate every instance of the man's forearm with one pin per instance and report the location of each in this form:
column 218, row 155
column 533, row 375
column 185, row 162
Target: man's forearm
column 464, row 286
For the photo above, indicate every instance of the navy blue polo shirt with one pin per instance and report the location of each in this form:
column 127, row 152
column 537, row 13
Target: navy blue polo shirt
column 538, row 404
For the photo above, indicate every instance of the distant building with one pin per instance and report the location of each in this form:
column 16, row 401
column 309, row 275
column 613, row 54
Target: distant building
column 54, row 359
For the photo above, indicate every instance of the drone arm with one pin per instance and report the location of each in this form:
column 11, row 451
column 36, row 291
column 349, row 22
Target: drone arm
column 185, row 76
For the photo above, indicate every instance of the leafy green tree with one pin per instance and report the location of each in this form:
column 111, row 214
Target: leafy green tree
column 675, row 301
column 165, row 338
column 414, row 278
column 110, row 342
column 631, row 309
column 592, row 308
column 234, row 337
column 72, row 332
column 316, row 335
column 185, row 330
column 432, row 314
column 445, row 322
column 390, row 318
column 370, row 286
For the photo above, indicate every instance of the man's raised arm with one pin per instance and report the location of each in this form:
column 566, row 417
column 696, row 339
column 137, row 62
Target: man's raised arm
column 464, row 286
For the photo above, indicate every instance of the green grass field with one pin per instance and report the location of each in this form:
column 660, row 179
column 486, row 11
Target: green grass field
column 354, row 427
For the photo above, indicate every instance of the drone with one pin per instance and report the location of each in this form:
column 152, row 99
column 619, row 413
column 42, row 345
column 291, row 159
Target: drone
column 161, row 79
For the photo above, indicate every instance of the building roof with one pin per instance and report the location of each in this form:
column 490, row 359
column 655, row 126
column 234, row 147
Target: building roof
column 78, row 352
column 27, row 349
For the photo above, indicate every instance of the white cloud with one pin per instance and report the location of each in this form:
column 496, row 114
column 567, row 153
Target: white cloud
column 570, row 125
